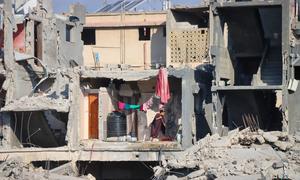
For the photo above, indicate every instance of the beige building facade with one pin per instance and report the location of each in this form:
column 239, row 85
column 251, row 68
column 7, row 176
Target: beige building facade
column 134, row 39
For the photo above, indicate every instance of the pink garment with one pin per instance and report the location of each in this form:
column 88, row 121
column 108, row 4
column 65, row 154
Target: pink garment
column 162, row 85
column 121, row 105
column 147, row 105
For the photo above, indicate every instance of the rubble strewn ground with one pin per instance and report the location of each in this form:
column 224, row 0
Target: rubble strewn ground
column 16, row 169
column 241, row 154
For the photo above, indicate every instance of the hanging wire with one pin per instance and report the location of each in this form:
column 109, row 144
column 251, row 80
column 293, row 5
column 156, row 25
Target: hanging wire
column 33, row 134
column 16, row 120
column 28, row 128
column 21, row 129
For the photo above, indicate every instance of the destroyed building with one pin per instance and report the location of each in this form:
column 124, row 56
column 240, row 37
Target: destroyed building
column 59, row 93
column 82, row 88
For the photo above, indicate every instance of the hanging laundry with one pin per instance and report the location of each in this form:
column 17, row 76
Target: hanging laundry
column 132, row 107
column 125, row 106
column 149, row 104
column 121, row 105
column 162, row 86
column 153, row 103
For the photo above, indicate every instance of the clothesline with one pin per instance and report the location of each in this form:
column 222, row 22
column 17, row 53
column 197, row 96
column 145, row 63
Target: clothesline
column 149, row 104
column 162, row 91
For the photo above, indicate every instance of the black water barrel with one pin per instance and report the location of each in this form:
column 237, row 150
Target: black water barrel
column 116, row 124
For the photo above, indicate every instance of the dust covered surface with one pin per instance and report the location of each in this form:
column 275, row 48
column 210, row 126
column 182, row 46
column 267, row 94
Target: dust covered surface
column 240, row 155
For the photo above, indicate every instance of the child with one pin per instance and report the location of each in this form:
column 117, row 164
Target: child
column 158, row 125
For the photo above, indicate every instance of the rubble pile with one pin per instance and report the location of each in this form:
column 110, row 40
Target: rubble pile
column 16, row 169
column 241, row 154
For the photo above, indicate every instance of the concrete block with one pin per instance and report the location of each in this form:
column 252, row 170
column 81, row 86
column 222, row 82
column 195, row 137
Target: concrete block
column 260, row 139
column 278, row 165
column 196, row 174
column 269, row 137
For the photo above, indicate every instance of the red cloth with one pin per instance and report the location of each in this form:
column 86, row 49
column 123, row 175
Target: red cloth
column 162, row 86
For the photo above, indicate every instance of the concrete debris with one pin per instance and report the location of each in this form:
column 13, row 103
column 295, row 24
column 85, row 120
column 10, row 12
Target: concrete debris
column 277, row 165
column 42, row 102
column 11, row 168
column 69, row 169
column 269, row 137
column 172, row 177
column 196, row 174
column 260, row 139
column 16, row 169
column 159, row 171
column 242, row 154
column 90, row 177
column 297, row 138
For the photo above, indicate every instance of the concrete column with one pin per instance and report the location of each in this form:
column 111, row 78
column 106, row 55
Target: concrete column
column 106, row 106
column 217, row 120
column 74, row 115
column 104, row 109
column 187, row 108
column 8, row 62
column 10, row 140
column 6, row 130
column 8, row 35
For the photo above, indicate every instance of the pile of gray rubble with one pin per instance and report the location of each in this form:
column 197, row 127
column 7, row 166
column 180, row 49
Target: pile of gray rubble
column 240, row 155
column 16, row 169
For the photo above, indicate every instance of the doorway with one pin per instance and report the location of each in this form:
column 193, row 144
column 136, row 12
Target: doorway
column 93, row 116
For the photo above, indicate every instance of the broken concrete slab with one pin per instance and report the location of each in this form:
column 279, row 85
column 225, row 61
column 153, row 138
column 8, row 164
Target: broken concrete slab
column 270, row 137
column 283, row 145
column 172, row 177
column 124, row 75
column 246, row 177
column 38, row 103
column 196, row 174
column 69, row 169
column 277, row 165
column 260, row 139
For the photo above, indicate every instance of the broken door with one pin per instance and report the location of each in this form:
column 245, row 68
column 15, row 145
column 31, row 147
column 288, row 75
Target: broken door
column 93, row 116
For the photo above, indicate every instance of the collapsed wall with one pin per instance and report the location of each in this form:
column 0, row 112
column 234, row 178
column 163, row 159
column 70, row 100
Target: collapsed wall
column 38, row 73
